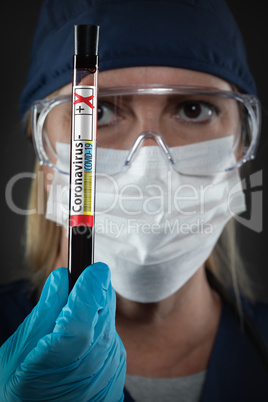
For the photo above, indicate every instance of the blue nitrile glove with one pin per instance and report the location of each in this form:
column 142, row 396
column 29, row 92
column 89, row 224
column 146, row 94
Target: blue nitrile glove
column 67, row 352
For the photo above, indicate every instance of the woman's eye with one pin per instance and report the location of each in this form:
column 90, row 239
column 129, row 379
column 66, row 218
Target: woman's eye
column 198, row 112
column 106, row 114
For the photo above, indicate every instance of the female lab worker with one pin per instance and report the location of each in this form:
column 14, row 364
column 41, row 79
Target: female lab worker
column 174, row 126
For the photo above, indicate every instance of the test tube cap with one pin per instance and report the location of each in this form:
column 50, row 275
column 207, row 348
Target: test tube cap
column 86, row 40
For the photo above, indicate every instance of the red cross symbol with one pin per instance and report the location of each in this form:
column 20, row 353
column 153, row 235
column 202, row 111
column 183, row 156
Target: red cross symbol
column 86, row 100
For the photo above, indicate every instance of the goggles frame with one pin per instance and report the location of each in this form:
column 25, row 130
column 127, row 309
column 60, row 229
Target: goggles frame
column 41, row 108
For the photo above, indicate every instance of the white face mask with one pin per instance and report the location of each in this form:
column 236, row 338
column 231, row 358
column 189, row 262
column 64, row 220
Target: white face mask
column 154, row 227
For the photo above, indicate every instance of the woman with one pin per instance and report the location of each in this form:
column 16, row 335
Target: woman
column 164, row 86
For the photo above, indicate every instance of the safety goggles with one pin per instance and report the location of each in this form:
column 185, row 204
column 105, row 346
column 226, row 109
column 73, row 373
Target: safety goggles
column 204, row 123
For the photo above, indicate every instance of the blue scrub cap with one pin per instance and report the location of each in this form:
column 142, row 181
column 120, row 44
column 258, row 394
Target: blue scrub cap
column 194, row 34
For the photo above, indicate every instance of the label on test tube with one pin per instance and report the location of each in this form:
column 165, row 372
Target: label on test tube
column 83, row 156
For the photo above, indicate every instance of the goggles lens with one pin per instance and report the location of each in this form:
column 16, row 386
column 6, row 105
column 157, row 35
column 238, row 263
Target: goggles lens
column 223, row 125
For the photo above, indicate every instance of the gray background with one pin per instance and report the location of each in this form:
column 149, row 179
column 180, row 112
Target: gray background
column 17, row 154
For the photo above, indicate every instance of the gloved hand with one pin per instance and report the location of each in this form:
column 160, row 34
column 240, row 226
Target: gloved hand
column 67, row 349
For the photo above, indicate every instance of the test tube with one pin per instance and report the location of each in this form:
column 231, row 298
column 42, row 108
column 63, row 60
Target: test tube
column 83, row 150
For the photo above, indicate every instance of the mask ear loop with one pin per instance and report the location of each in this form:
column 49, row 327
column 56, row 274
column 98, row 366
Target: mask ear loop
column 137, row 144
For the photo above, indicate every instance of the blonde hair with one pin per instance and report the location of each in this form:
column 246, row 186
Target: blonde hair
column 42, row 236
column 227, row 265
